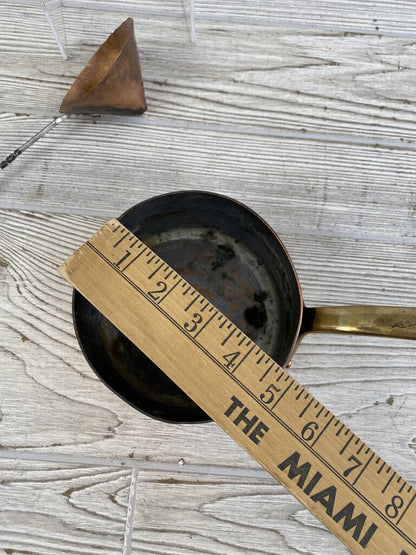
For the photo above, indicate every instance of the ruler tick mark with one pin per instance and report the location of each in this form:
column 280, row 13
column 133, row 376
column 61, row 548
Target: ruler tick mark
column 322, row 431
column 266, row 372
column 120, row 241
column 228, row 337
column 299, row 395
column 340, row 430
column 155, row 271
column 346, row 445
column 168, row 292
column 191, row 303
column 284, row 393
column 405, row 510
column 242, row 360
column 204, row 326
column 306, row 408
column 363, row 469
column 386, row 525
column 388, row 483
column 133, row 260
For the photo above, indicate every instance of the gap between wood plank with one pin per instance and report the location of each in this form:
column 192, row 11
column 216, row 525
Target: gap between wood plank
column 210, row 470
column 170, row 123
column 233, row 19
column 6, row 204
column 242, row 20
column 131, row 511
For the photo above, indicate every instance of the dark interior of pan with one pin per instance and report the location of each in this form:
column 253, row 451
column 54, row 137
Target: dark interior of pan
column 233, row 258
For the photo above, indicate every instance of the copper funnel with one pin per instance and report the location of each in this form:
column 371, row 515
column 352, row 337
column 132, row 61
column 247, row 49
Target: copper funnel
column 112, row 80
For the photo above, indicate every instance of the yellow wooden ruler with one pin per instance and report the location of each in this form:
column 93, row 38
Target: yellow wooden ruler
column 358, row 496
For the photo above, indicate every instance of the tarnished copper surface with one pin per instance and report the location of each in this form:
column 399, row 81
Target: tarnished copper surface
column 240, row 265
column 111, row 81
column 233, row 258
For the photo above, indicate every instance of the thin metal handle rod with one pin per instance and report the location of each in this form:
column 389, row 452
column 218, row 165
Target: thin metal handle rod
column 32, row 140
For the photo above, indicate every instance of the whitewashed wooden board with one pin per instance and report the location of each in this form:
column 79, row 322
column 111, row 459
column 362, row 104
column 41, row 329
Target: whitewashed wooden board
column 180, row 513
column 55, row 508
column 395, row 17
column 284, row 106
column 297, row 185
column 275, row 81
column 42, row 356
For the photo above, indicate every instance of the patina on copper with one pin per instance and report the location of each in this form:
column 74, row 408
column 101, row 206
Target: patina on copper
column 112, row 80
column 227, row 252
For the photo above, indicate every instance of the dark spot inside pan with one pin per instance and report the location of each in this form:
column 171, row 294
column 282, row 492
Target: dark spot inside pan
column 230, row 255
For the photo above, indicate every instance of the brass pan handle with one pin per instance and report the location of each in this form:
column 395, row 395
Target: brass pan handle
column 388, row 321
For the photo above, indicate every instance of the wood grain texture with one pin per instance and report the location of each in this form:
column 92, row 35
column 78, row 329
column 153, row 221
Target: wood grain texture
column 299, row 186
column 378, row 17
column 356, row 86
column 305, row 111
column 43, row 364
column 144, row 298
column 55, row 508
column 180, row 514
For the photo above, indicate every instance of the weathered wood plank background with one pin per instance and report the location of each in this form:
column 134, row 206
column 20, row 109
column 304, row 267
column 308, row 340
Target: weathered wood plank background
column 305, row 111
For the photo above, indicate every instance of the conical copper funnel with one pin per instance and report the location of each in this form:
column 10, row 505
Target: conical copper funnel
column 112, row 80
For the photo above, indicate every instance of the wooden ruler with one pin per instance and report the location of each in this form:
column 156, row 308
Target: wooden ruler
column 358, row 496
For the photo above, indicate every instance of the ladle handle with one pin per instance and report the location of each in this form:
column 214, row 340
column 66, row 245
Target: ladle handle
column 32, row 140
column 388, row 321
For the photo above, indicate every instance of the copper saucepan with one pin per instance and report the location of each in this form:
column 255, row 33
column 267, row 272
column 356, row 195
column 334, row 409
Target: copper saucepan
column 227, row 252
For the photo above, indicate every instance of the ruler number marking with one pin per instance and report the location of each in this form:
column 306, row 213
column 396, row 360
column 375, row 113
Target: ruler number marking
column 308, row 431
column 392, row 509
column 268, row 395
column 133, row 260
column 156, row 293
column 357, row 464
column 123, row 258
column 195, row 321
column 230, row 358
